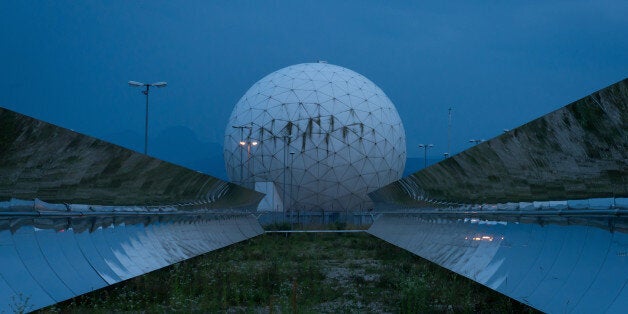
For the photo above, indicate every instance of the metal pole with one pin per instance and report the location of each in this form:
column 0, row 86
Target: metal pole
column 285, row 166
column 241, row 156
column 253, row 165
column 242, row 143
column 425, row 147
column 449, row 134
column 249, row 173
column 145, row 92
column 248, row 159
column 146, row 127
column 291, row 175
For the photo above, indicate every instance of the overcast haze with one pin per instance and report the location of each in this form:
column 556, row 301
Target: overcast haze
column 497, row 65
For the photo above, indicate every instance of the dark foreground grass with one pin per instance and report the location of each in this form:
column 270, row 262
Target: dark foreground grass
column 298, row 273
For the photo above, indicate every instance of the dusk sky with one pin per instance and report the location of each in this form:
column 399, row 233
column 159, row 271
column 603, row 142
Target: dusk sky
column 498, row 65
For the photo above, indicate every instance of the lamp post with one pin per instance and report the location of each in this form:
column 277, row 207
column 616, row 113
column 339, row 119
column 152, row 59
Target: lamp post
column 448, row 135
column 145, row 92
column 475, row 141
column 425, row 148
column 242, row 144
column 248, row 143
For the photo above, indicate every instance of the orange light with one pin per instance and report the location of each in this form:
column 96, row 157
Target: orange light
column 481, row 238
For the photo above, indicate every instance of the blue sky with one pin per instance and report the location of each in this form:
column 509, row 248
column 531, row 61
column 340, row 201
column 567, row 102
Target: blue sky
column 499, row 64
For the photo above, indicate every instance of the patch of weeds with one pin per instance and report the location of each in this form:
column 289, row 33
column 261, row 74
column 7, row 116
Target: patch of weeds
column 300, row 273
column 278, row 226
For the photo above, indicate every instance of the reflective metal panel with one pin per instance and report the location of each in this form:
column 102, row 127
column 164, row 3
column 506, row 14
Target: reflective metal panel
column 7, row 295
column 620, row 304
column 58, row 262
column 605, row 289
column 84, row 241
column 38, row 267
column 25, row 289
column 112, row 175
column 183, row 240
column 44, row 266
column 589, row 263
column 108, row 255
column 163, row 240
column 68, row 244
column 555, row 268
column 116, row 241
column 209, row 235
column 140, row 249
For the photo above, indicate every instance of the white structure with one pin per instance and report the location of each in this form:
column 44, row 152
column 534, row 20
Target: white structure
column 272, row 201
column 325, row 135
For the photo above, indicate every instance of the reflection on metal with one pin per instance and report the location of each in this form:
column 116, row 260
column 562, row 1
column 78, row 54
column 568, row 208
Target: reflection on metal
column 96, row 213
column 539, row 213
column 57, row 165
column 576, row 152
column 554, row 268
column 608, row 219
column 52, row 258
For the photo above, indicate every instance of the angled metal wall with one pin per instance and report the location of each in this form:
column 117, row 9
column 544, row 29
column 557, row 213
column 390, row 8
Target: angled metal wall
column 57, row 165
column 78, row 213
column 50, row 259
column 579, row 151
column 539, row 213
column 554, row 268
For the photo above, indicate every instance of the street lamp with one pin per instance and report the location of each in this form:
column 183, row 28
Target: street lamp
column 476, row 141
column 245, row 143
column 248, row 143
column 448, row 134
column 425, row 148
column 145, row 92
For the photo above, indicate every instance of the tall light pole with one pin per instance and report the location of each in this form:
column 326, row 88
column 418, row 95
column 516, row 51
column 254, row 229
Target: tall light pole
column 244, row 143
column 248, row 143
column 425, row 148
column 145, row 92
column 448, row 135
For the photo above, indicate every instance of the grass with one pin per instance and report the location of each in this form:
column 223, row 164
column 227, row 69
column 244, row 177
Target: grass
column 298, row 273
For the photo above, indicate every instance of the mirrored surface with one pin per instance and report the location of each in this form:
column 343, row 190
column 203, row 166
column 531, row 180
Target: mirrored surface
column 33, row 258
column 24, row 288
column 51, row 259
column 554, row 267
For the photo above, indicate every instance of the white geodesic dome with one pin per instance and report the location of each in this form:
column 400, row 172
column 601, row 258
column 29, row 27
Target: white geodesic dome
column 321, row 135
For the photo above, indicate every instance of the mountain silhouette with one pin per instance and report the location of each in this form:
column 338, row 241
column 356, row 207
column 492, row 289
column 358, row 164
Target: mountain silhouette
column 179, row 145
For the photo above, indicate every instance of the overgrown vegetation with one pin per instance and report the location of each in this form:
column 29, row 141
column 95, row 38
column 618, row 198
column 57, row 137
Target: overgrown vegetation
column 298, row 273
